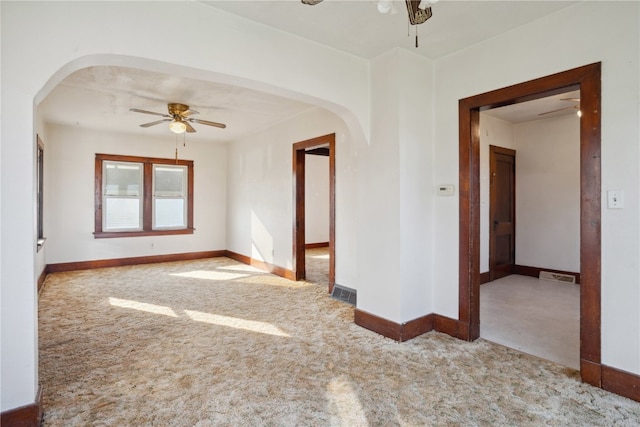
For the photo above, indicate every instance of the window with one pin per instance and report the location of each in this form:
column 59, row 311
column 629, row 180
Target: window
column 40, row 192
column 142, row 196
column 122, row 196
column 169, row 196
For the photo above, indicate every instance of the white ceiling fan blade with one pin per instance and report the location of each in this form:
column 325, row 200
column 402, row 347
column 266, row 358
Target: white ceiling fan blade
column 190, row 128
column 208, row 123
column 157, row 122
column 559, row 109
column 137, row 110
column 188, row 113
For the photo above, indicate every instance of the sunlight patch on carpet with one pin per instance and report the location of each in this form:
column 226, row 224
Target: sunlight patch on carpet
column 235, row 322
column 210, row 275
column 345, row 402
column 271, row 280
column 242, row 267
column 142, row 306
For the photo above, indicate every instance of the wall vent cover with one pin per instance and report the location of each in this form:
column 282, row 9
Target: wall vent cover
column 557, row 277
column 342, row 293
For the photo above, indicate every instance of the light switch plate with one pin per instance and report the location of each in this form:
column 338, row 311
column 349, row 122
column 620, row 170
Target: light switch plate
column 445, row 190
column 615, row 199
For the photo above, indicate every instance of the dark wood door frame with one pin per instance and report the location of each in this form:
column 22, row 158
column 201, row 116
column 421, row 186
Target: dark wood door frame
column 588, row 80
column 299, row 149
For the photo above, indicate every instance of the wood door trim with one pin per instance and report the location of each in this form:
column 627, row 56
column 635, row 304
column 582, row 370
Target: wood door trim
column 506, row 269
column 588, row 80
column 299, row 149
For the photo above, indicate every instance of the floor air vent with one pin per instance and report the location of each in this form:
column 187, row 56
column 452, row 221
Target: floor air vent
column 342, row 293
column 557, row 277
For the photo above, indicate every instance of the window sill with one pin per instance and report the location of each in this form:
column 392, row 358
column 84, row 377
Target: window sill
column 110, row 234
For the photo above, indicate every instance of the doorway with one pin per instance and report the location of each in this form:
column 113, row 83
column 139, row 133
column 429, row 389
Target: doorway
column 502, row 211
column 300, row 150
column 586, row 79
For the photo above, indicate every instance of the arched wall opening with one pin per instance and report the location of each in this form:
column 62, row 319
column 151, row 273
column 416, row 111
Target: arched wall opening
column 44, row 43
column 314, row 122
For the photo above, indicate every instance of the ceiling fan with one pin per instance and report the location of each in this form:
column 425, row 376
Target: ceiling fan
column 178, row 118
column 573, row 107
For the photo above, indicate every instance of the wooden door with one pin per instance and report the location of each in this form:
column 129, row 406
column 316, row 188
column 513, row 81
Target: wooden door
column 502, row 211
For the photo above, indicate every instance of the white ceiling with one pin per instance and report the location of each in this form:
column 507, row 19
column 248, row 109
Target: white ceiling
column 100, row 97
column 539, row 109
column 357, row 27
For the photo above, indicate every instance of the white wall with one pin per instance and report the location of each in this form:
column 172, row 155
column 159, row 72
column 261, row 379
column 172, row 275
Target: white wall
column 552, row 44
column 316, row 204
column 61, row 37
column 415, row 90
column 499, row 133
column 378, row 200
column 260, row 192
column 548, row 193
column 69, row 195
column 396, row 190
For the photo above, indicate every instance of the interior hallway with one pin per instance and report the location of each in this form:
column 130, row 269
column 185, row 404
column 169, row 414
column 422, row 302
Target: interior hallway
column 538, row 317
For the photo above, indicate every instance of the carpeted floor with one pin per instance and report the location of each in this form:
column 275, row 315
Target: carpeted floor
column 217, row 343
column 317, row 266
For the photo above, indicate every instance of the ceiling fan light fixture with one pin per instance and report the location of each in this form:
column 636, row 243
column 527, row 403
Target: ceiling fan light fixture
column 177, row 126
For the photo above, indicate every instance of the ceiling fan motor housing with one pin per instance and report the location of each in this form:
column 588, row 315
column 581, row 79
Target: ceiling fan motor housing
column 177, row 109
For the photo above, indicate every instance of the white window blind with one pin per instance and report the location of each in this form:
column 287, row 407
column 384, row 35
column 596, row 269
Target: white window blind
column 122, row 196
column 169, row 196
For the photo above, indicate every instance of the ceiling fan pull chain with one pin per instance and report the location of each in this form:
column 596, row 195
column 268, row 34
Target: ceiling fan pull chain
column 416, row 36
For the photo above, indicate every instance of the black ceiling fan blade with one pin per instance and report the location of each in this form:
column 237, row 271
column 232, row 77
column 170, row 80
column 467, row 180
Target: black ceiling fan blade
column 137, row 110
column 190, row 128
column 208, row 123
column 157, row 122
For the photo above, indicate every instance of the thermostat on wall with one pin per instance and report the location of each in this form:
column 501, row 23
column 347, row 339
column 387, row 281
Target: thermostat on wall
column 445, row 190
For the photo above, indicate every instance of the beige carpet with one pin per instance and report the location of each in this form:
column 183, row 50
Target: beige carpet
column 216, row 343
column 317, row 266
